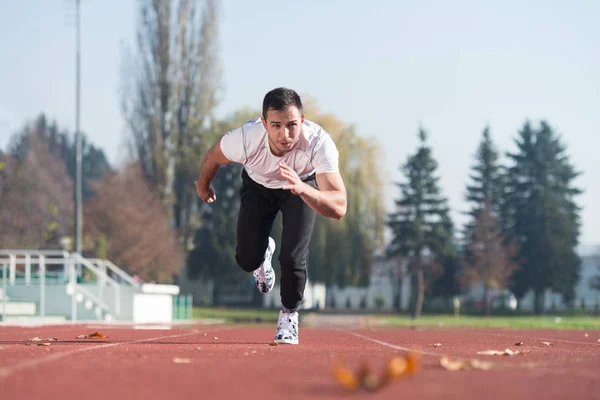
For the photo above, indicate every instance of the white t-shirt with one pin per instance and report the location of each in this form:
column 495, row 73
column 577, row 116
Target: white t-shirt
column 315, row 152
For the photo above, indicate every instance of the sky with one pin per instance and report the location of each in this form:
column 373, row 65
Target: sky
column 387, row 67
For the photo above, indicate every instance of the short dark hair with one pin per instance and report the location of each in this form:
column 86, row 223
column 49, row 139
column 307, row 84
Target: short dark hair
column 280, row 99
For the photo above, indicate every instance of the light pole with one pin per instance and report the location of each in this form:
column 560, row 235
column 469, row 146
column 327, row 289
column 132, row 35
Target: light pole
column 78, row 144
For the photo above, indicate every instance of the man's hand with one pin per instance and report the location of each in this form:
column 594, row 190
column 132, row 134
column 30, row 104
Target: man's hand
column 295, row 184
column 329, row 200
column 206, row 193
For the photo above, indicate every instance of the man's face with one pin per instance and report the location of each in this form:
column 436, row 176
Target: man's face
column 284, row 129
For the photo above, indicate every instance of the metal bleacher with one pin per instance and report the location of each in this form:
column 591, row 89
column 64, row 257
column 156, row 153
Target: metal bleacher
column 53, row 286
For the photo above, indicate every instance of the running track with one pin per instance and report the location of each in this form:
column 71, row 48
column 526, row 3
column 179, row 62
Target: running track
column 237, row 362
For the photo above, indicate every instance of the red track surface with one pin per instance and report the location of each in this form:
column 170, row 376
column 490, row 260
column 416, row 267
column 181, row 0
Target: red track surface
column 238, row 363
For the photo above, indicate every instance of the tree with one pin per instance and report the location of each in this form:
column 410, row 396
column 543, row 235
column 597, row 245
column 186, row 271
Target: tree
column 542, row 215
column 36, row 203
column 62, row 145
column 445, row 279
column 169, row 96
column 486, row 182
column 490, row 256
column 421, row 226
column 595, row 280
column 127, row 224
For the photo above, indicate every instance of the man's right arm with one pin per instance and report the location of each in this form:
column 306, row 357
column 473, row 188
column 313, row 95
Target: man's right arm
column 209, row 168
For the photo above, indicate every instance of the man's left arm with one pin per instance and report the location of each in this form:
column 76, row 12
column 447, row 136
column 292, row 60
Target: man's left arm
column 329, row 200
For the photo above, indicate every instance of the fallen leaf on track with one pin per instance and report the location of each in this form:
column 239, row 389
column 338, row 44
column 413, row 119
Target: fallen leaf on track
column 345, row 376
column 506, row 352
column 397, row 367
column 95, row 335
column 483, row 365
column 216, row 338
column 273, row 344
column 457, row 365
column 37, row 344
column 178, row 360
column 546, row 343
column 435, row 344
column 519, row 344
column 453, row 365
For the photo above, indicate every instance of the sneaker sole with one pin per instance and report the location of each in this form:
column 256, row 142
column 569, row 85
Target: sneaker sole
column 262, row 286
column 287, row 341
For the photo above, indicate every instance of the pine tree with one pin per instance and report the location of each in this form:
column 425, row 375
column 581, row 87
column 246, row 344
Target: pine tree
column 542, row 215
column 487, row 251
column 486, row 182
column 421, row 226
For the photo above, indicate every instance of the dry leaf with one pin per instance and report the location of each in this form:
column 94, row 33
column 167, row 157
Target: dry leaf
column 506, row 352
column 364, row 378
column 457, row 365
column 483, row 365
column 413, row 363
column 371, row 382
column 95, row 335
column 490, row 353
column 205, row 334
column 546, row 343
column 37, row 339
column 198, row 348
column 345, row 376
column 37, row 344
column 273, row 344
column 396, row 367
column 435, row 345
column 452, row 365
column 178, row 360
column 519, row 344
column 216, row 338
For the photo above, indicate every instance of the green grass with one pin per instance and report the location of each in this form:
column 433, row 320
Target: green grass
column 521, row 322
column 562, row 321
column 236, row 315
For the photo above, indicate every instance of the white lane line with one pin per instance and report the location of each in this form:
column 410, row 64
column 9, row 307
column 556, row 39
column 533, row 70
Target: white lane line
column 393, row 346
column 535, row 370
column 516, row 336
column 7, row 371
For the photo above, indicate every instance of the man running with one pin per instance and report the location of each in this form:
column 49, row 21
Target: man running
column 290, row 165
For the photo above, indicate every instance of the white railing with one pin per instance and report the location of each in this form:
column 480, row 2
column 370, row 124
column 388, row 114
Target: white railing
column 73, row 266
column 106, row 265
